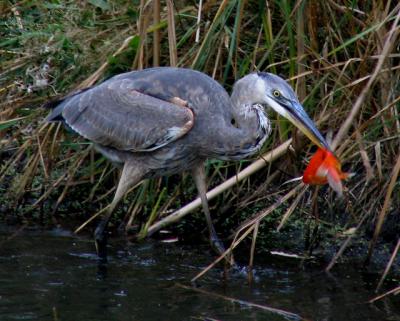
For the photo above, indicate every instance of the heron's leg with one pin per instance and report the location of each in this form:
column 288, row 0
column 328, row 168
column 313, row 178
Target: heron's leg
column 199, row 176
column 131, row 175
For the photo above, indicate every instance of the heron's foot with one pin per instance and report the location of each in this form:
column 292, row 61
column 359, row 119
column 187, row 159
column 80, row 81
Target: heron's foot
column 219, row 248
column 217, row 244
column 100, row 239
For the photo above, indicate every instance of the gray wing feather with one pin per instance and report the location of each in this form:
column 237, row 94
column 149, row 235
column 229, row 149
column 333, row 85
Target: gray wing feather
column 115, row 114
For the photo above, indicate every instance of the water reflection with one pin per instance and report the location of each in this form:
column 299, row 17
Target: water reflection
column 55, row 276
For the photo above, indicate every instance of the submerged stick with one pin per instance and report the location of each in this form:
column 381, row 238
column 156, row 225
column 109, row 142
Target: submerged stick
column 247, row 227
column 283, row 313
column 254, row 167
column 394, row 291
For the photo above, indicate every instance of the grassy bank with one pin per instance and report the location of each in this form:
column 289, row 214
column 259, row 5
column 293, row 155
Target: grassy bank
column 341, row 56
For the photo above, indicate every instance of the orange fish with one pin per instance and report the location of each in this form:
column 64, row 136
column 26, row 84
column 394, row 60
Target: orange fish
column 324, row 168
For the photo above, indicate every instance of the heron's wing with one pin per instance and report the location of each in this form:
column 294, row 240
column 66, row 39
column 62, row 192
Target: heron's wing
column 115, row 114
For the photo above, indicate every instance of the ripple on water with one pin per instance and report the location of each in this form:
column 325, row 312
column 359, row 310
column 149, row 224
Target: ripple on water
column 43, row 272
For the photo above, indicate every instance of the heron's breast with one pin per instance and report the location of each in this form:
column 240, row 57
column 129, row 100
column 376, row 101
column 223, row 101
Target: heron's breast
column 170, row 160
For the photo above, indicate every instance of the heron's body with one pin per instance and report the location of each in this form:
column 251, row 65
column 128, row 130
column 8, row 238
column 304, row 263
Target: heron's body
column 162, row 121
column 213, row 133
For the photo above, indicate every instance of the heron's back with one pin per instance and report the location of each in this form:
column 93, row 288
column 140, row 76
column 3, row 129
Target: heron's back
column 206, row 96
column 208, row 100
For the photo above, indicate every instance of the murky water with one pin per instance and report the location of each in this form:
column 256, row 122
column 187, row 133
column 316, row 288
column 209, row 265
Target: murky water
column 55, row 276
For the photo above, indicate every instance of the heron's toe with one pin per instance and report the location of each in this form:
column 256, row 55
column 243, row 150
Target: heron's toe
column 217, row 245
column 100, row 241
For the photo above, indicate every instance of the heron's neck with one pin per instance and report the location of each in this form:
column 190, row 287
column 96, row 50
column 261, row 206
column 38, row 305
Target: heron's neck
column 247, row 96
column 251, row 120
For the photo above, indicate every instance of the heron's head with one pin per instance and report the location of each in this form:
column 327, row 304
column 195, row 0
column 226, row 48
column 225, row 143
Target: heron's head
column 277, row 94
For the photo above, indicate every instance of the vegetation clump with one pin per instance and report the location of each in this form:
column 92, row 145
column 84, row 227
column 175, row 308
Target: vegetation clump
column 341, row 56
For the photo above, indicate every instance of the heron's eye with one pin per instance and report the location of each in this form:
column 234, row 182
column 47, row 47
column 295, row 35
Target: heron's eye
column 276, row 93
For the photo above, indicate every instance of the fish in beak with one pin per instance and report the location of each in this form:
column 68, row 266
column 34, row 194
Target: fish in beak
column 324, row 168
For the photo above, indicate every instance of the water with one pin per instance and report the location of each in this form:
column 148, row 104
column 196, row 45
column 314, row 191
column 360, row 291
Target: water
column 55, row 276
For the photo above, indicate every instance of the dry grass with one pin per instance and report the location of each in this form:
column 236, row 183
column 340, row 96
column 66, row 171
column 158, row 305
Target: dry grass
column 342, row 59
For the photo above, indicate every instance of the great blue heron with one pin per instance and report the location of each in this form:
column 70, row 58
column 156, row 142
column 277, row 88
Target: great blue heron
column 161, row 121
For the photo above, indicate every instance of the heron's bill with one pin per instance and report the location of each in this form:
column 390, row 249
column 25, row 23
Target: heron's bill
column 302, row 121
